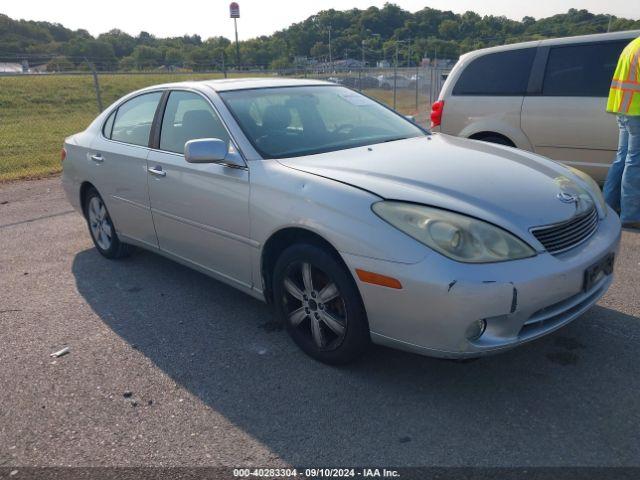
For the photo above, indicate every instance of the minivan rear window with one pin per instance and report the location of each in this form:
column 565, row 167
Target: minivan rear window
column 501, row 73
column 581, row 70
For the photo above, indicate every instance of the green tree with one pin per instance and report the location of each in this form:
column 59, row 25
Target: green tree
column 174, row 57
column 147, row 57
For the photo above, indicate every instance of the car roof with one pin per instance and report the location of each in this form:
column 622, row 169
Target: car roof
column 260, row 82
column 228, row 84
column 597, row 37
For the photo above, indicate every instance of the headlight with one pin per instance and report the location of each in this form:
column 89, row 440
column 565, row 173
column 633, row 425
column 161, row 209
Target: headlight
column 596, row 193
column 456, row 236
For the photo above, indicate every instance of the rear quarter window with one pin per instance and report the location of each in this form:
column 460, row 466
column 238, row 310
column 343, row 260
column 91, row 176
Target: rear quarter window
column 581, row 70
column 108, row 125
column 497, row 74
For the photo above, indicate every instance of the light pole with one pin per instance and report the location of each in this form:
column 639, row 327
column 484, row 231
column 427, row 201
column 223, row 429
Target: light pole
column 364, row 42
column 364, row 61
column 395, row 73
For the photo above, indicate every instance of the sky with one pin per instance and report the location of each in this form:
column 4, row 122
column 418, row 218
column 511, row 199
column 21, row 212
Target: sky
column 209, row 18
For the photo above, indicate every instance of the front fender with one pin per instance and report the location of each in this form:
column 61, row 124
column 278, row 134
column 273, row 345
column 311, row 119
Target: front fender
column 283, row 197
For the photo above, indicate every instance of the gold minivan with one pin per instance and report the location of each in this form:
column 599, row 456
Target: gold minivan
column 547, row 96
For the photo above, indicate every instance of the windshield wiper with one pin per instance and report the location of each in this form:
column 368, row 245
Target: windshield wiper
column 394, row 139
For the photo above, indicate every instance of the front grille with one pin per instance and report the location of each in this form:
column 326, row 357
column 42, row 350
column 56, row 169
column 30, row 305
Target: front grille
column 563, row 236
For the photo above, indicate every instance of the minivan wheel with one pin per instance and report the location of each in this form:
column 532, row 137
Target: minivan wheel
column 497, row 139
column 101, row 228
column 318, row 302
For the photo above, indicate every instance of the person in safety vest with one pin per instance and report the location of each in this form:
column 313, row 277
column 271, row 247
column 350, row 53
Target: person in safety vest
column 622, row 187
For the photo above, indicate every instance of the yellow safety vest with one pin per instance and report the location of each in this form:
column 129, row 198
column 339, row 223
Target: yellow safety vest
column 624, row 96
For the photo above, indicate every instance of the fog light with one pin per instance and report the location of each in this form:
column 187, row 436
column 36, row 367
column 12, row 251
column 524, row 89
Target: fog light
column 475, row 330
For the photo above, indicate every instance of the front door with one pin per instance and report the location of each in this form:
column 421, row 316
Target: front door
column 200, row 211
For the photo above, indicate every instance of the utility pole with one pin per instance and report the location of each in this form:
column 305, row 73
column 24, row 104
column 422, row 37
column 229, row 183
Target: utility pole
column 395, row 76
column 609, row 26
column 330, row 56
column 417, row 77
column 234, row 10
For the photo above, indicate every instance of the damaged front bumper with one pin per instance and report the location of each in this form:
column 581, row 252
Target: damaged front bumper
column 519, row 300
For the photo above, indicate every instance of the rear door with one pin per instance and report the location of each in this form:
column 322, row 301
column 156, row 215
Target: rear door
column 200, row 211
column 119, row 157
column 567, row 120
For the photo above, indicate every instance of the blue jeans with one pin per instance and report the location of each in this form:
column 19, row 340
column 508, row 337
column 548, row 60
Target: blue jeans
column 622, row 187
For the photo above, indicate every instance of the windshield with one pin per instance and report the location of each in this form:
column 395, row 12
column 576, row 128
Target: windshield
column 296, row 121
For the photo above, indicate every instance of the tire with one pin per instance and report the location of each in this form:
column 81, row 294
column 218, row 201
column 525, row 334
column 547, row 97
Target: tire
column 325, row 315
column 497, row 139
column 101, row 228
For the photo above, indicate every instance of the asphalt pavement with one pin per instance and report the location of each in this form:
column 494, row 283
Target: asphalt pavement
column 169, row 367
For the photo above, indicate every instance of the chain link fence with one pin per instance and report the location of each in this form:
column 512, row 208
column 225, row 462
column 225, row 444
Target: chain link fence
column 38, row 110
column 409, row 90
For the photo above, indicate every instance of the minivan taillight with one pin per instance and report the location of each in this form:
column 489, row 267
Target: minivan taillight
column 436, row 113
column 63, row 154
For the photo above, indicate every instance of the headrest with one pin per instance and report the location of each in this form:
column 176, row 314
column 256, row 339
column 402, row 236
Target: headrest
column 193, row 118
column 276, row 117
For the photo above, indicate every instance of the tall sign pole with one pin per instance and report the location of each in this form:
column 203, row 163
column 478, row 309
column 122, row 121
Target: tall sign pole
column 234, row 11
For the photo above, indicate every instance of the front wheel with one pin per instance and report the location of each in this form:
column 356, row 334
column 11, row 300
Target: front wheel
column 101, row 228
column 318, row 302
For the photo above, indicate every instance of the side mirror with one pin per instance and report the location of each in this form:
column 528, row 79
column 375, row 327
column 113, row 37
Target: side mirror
column 213, row 150
column 205, row 150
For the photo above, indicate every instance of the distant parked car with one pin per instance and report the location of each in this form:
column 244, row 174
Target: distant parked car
column 548, row 97
column 387, row 82
column 368, row 82
column 351, row 82
column 359, row 82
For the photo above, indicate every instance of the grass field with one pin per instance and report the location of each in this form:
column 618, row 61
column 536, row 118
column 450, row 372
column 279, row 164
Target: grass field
column 38, row 112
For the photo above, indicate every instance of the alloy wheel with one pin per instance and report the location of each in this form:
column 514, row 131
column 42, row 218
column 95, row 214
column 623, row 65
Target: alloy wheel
column 99, row 223
column 314, row 306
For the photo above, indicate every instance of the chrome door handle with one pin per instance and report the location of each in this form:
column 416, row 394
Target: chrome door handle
column 97, row 158
column 157, row 171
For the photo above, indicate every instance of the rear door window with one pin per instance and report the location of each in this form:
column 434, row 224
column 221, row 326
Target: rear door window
column 581, row 70
column 134, row 118
column 501, row 73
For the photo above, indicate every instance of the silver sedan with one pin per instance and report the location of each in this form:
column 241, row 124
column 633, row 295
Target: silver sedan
column 356, row 224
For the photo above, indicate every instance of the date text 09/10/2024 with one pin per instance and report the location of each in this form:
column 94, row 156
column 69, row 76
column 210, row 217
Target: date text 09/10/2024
column 316, row 472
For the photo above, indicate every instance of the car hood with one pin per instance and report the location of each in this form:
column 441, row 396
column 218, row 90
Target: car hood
column 505, row 186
